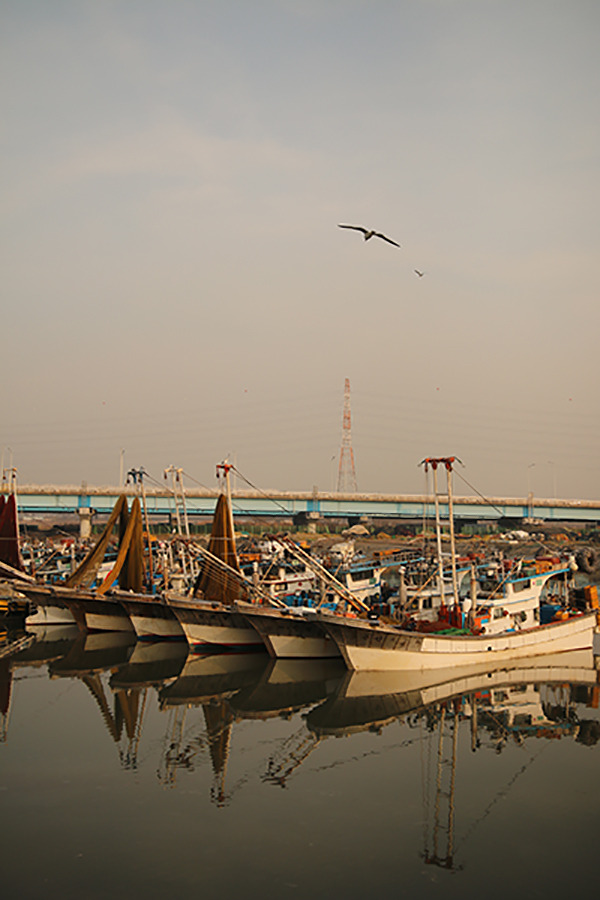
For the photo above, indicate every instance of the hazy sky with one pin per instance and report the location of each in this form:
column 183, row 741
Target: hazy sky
column 174, row 282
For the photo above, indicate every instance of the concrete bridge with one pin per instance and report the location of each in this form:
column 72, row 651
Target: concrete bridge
column 90, row 502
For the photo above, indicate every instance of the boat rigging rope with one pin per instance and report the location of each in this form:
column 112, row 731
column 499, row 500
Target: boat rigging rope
column 215, row 492
column 322, row 572
column 501, row 794
column 227, row 570
column 262, row 493
column 479, row 494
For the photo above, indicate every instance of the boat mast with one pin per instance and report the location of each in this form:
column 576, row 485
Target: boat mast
column 448, row 461
column 223, row 469
column 13, row 491
column 171, row 470
column 182, row 552
column 434, row 462
column 186, row 521
column 137, row 476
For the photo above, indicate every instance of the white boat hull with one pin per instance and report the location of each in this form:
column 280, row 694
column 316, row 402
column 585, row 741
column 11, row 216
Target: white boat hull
column 373, row 647
column 207, row 626
column 151, row 629
column 51, row 615
column 220, row 636
column 287, row 635
column 97, row 621
column 152, row 619
column 94, row 612
column 289, row 647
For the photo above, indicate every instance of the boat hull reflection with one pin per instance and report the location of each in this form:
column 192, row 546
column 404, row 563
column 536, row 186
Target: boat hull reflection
column 215, row 676
column 151, row 663
column 370, row 700
column 288, row 685
column 94, row 653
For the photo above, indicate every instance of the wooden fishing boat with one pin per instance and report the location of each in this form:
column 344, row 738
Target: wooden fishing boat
column 209, row 618
column 47, row 607
column 58, row 605
column 371, row 645
column 92, row 608
column 290, row 633
column 12, row 569
column 502, row 626
column 152, row 617
column 212, row 625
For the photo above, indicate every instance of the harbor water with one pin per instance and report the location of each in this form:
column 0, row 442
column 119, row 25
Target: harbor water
column 137, row 770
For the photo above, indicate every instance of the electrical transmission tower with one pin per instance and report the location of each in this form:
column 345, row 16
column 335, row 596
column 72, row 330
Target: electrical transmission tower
column 346, row 481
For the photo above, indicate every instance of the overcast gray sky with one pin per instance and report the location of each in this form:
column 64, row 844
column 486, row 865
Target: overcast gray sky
column 175, row 284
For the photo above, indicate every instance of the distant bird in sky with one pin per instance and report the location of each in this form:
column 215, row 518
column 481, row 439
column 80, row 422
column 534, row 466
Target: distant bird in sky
column 368, row 234
column 420, row 274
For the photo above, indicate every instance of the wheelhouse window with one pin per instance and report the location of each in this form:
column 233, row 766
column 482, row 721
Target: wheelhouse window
column 521, row 585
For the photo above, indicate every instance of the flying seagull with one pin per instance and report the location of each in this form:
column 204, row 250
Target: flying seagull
column 420, row 274
column 369, row 234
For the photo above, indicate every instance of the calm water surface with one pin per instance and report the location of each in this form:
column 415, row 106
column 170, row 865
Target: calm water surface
column 136, row 771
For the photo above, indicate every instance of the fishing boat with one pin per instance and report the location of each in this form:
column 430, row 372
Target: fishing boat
column 292, row 632
column 372, row 645
column 501, row 627
column 362, row 578
column 152, row 617
column 209, row 618
column 10, row 553
column 47, row 609
column 12, row 569
column 92, row 607
column 22, row 587
column 282, row 578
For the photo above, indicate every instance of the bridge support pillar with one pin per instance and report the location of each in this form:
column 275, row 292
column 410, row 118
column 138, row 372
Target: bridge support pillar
column 308, row 519
column 313, row 520
column 85, row 522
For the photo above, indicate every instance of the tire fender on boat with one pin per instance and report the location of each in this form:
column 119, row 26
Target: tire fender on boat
column 586, row 559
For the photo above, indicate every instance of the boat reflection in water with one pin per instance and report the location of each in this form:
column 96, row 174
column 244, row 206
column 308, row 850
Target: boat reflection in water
column 372, row 699
column 287, row 686
column 89, row 658
column 205, row 681
column 201, row 741
column 532, row 700
column 234, row 687
column 321, row 697
column 150, row 664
